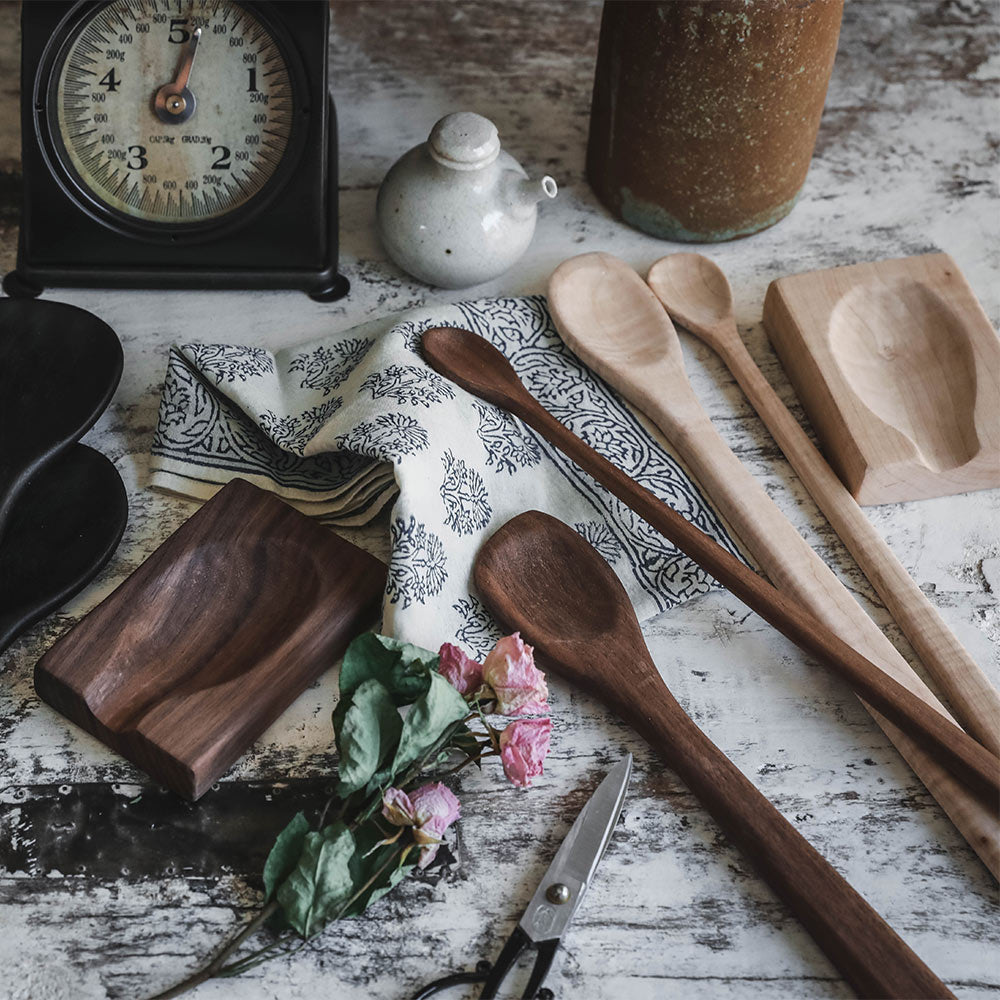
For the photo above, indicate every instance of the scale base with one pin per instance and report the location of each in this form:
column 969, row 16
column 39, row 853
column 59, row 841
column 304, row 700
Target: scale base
column 16, row 287
column 29, row 282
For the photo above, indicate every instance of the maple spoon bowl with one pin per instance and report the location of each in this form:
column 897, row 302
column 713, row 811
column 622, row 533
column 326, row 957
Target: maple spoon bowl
column 590, row 293
column 538, row 576
column 695, row 292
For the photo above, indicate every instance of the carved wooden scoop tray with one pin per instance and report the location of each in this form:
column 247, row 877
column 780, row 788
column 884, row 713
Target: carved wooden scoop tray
column 898, row 369
column 209, row 640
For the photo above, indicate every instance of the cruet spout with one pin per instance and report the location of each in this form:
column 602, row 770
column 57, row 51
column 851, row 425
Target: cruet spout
column 526, row 192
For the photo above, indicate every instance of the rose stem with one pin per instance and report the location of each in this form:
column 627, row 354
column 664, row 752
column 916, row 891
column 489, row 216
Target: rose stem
column 212, row 969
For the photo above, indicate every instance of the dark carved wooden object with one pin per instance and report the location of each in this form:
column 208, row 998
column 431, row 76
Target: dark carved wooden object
column 209, row 640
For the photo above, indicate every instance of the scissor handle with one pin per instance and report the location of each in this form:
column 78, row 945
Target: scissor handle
column 491, row 976
column 516, row 944
column 546, row 952
column 456, row 979
column 512, row 950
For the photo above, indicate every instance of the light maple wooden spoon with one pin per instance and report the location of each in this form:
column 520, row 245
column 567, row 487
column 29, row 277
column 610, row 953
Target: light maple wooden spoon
column 608, row 315
column 539, row 576
column 696, row 294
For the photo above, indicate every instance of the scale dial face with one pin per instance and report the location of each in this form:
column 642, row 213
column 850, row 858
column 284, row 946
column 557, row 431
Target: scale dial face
column 171, row 113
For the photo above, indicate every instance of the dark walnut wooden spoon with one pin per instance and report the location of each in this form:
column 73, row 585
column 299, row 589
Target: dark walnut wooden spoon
column 539, row 576
column 478, row 367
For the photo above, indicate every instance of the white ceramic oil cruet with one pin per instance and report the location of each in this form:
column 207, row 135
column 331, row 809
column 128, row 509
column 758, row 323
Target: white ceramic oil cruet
column 457, row 210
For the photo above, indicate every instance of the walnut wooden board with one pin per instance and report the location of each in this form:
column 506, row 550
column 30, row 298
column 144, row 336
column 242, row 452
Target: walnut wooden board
column 898, row 368
column 186, row 663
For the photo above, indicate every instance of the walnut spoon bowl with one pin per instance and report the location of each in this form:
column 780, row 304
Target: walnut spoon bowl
column 539, row 576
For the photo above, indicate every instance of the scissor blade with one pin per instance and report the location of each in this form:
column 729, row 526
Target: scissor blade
column 573, row 867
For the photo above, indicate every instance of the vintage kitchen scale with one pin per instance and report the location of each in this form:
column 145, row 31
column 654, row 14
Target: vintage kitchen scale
column 181, row 144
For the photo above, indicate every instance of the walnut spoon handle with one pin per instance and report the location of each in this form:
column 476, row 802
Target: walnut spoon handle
column 571, row 606
column 478, row 367
column 696, row 294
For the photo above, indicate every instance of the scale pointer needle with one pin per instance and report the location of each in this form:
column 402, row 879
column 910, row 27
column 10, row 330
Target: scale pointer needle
column 174, row 102
column 184, row 70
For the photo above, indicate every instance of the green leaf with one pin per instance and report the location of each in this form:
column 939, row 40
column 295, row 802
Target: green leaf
column 368, row 734
column 385, row 883
column 410, row 678
column 377, row 869
column 321, row 883
column 427, row 721
column 403, row 669
column 379, row 781
column 285, row 854
column 465, row 741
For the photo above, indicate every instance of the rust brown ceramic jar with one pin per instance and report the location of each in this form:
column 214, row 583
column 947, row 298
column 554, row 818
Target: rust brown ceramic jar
column 705, row 114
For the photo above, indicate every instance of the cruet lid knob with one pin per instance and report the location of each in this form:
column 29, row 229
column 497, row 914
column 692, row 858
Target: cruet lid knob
column 464, row 141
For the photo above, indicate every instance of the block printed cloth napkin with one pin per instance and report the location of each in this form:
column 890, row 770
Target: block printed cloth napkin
column 338, row 425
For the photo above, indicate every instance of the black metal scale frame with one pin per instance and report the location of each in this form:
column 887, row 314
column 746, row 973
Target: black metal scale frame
column 284, row 237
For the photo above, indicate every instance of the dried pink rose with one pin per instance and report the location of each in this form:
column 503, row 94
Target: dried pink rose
column 519, row 685
column 524, row 745
column 397, row 807
column 435, row 807
column 462, row 672
column 430, row 810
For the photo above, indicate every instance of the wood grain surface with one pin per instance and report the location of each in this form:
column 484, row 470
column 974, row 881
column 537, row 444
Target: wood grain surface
column 106, row 892
column 898, row 368
column 213, row 636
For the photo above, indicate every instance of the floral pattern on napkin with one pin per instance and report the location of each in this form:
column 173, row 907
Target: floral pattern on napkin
column 341, row 426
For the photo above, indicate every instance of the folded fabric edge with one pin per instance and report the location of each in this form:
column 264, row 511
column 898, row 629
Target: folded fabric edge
column 358, row 509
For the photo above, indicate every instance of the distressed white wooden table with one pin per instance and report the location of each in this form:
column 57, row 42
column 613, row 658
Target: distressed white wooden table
column 111, row 888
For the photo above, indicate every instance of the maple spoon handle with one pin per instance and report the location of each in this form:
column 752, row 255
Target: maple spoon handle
column 863, row 947
column 954, row 749
column 972, row 697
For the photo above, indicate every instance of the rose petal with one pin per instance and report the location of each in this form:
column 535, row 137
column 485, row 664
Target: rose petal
column 519, row 685
column 397, row 807
column 524, row 745
column 435, row 807
column 461, row 671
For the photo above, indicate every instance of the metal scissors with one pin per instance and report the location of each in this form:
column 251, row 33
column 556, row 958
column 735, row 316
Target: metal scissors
column 557, row 897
